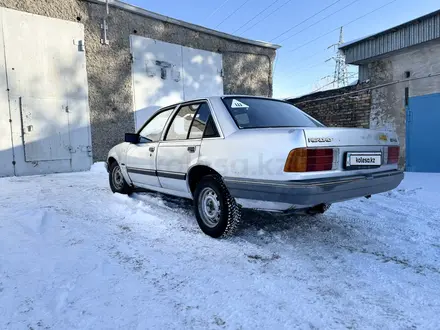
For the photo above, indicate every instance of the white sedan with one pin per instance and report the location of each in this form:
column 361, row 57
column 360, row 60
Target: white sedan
column 230, row 152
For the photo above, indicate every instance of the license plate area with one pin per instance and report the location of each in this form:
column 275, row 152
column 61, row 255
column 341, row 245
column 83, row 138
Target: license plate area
column 362, row 160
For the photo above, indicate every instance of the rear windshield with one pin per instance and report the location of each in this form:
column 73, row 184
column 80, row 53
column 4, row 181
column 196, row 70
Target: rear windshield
column 251, row 112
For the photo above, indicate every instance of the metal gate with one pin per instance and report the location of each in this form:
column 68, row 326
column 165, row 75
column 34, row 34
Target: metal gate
column 165, row 73
column 45, row 96
column 423, row 134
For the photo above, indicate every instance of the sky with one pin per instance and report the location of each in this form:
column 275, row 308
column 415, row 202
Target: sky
column 304, row 29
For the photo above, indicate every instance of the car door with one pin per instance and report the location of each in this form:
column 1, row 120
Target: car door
column 141, row 157
column 181, row 145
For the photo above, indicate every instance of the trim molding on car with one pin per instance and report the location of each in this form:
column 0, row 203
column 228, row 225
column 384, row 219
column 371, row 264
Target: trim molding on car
column 141, row 171
column 171, row 175
column 163, row 174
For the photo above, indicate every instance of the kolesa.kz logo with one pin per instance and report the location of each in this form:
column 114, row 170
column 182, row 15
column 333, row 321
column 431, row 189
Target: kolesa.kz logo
column 365, row 160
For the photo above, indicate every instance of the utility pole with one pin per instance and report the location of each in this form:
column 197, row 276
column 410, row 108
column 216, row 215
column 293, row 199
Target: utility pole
column 340, row 77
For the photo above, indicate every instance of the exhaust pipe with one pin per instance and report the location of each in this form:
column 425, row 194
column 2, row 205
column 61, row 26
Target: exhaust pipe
column 321, row 208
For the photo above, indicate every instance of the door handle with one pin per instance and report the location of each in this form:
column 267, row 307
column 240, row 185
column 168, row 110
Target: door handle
column 192, row 149
column 152, row 149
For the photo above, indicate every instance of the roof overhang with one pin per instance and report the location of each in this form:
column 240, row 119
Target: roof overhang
column 423, row 29
column 194, row 27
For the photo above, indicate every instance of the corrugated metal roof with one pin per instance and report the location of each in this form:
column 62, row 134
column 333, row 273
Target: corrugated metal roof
column 147, row 13
column 419, row 30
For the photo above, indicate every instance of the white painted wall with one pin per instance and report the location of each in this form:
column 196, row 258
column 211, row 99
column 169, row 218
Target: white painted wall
column 191, row 73
column 6, row 156
column 48, row 93
column 202, row 72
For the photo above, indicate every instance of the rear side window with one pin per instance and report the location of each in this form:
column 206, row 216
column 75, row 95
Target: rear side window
column 179, row 128
column 203, row 125
column 199, row 123
column 211, row 130
column 251, row 112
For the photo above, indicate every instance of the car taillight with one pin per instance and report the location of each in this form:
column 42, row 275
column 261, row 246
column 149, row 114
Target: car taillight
column 393, row 155
column 309, row 160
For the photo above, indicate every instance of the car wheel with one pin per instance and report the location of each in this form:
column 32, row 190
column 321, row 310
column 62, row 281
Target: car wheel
column 217, row 212
column 117, row 180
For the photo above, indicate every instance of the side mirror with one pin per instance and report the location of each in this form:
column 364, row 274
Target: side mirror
column 132, row 137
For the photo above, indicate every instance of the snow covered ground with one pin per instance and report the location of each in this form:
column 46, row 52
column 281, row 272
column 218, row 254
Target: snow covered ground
column 75, row 256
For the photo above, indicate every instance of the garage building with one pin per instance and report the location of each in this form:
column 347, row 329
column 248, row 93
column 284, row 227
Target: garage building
column 76, row 75
column 399, row 89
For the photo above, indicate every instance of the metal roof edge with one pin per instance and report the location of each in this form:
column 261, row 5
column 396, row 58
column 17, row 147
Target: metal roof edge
column 391, row 29
column 195, row 27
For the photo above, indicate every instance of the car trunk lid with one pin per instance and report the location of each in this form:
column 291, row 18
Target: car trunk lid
column 341, row 137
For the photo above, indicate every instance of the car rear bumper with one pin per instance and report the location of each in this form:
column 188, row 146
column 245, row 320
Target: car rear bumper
column 314, row 192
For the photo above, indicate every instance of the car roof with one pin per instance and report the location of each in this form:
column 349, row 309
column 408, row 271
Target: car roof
column 218, row 97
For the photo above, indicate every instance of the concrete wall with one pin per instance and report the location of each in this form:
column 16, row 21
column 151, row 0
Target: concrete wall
column 343, row 107
column 388, row 103
column 247, row 68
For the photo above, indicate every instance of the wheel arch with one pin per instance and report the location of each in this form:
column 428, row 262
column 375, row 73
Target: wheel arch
column 196, row 173
column 111, row 160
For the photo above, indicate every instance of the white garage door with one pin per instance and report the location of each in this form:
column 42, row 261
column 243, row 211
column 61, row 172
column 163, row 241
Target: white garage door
column 45, row 69
column 165, row 73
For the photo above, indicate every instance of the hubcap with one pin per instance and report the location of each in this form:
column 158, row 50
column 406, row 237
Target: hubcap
column 209, row 207
column 118, row 179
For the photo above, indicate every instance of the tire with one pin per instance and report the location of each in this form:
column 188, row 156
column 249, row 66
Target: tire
column 217, row 212
column 117, row 180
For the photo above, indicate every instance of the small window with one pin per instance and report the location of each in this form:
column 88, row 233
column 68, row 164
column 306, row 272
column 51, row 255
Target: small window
column 199, row 124
column 211, row 130
column 152, row 131
column 179, row 128
column 407, row 74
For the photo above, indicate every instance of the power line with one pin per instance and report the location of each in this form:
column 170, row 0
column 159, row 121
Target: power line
column 319, row 21
column 232, row 13
column 352, row 21
column 217, row 9
column 308, row 18
column 270, row 14
column 321, row 63
column 262, row 11
column 320, row 88
column 309, row 58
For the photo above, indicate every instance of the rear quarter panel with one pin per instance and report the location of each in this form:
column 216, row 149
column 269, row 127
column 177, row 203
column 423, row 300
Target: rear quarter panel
column 252, row 153
column 262, row 153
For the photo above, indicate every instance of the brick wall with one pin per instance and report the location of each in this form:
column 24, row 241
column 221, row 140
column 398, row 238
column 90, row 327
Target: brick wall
column 344, row 107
